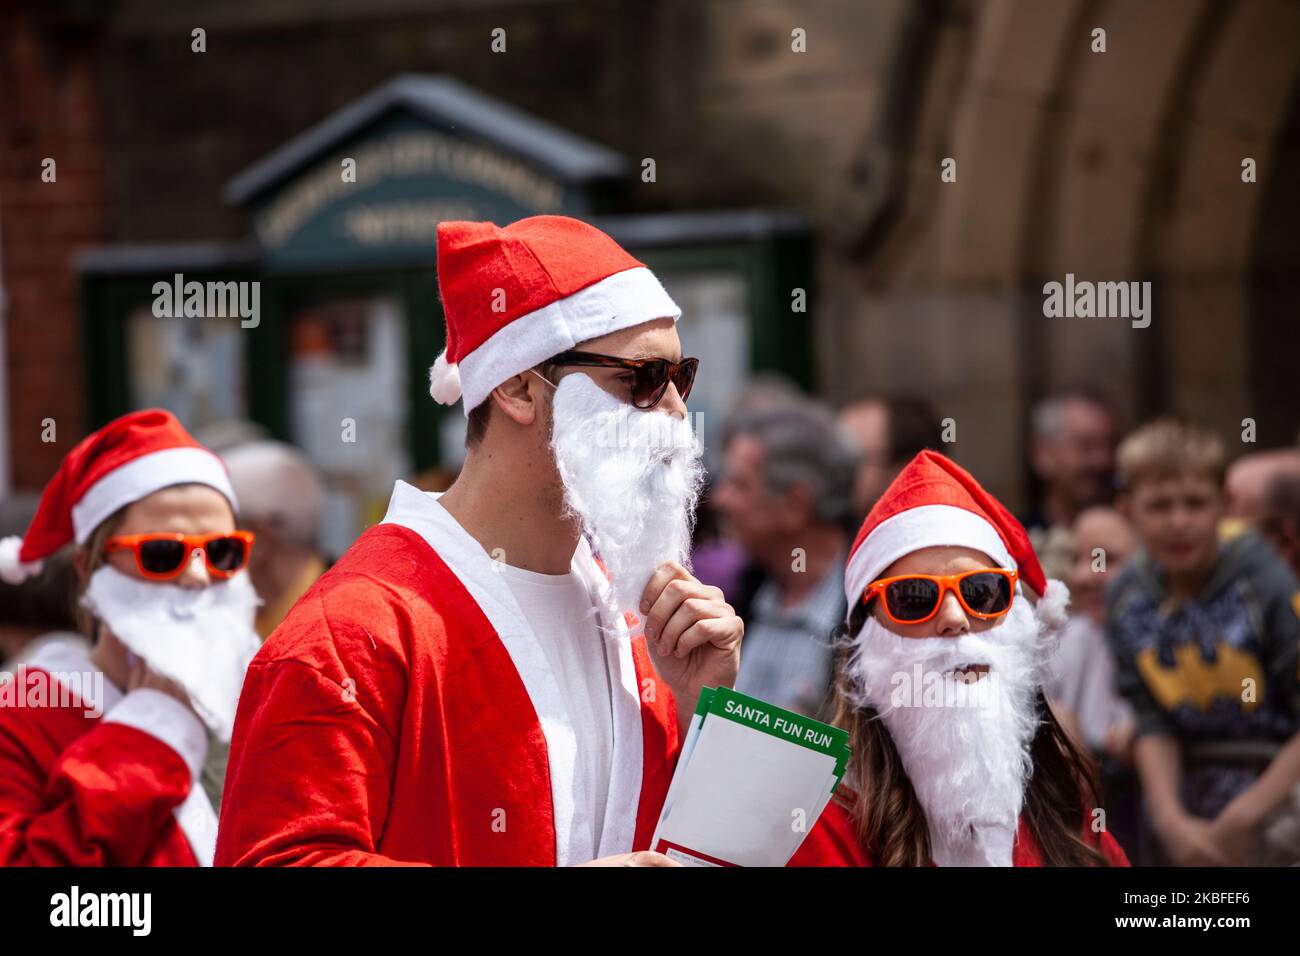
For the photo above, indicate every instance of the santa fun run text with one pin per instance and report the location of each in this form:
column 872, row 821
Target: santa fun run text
column 777, row 723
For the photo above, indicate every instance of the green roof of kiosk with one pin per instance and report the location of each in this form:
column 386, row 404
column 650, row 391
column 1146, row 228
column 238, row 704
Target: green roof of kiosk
column 422, row 149
column 448, row 103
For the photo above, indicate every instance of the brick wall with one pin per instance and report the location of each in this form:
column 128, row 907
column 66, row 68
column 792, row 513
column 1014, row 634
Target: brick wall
column 48, row 108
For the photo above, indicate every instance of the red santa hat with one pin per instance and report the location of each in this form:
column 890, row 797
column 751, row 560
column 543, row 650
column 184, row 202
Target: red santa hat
column 935, row 502
column 129, row 458
column 517, row 295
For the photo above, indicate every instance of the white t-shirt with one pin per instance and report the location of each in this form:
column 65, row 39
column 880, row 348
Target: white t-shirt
column 560, row 610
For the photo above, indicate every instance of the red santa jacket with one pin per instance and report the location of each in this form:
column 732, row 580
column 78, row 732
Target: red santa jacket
column 88, row 785
column 404, row 712
column 833, row 841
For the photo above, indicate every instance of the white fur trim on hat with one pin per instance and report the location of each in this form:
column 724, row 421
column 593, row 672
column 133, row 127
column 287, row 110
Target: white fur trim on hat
column 13, row 570
column 928, row 526
column 444, row 380
column 143, row 476
column 616, row 302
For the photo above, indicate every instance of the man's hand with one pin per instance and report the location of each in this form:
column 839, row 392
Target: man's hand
column 142, row 675
column 1235, row 834
column 693, row 633
column 640, row 858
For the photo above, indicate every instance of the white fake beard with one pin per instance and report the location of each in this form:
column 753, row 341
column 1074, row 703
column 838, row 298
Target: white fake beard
column 202, row 638
column 632, row 477
column 964, row 746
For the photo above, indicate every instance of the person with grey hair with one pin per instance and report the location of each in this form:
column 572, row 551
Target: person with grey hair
column 786, row 494
column 1072, row 451
column 281, row 499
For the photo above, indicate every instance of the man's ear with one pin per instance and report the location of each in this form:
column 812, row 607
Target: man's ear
column 519, row 398
column 81, row 561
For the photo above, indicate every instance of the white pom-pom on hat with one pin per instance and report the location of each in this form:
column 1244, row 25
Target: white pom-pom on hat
column 1052, row 607
column 12, row 568
column 444, row 381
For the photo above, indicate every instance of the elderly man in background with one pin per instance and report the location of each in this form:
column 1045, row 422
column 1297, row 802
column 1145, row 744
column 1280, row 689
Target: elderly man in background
column 280, row 500
column 1072, row 452
column 786, row 493
column 1250, row 479
column 1280, row 523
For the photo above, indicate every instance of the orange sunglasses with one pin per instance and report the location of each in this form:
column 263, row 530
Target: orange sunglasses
column 985, row 593
column 162, row 555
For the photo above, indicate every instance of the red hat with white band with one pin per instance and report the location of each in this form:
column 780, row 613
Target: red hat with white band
column 516, row 295
column 935, row 502
column 129, row 458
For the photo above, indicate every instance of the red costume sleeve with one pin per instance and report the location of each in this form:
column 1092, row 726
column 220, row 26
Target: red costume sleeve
column 320, row 709
column 76, row 790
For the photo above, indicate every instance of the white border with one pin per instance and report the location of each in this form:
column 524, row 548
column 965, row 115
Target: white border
column 144, row 476
column 616, row 302
column 166, row 720
column 421, row 512
column 928, row 526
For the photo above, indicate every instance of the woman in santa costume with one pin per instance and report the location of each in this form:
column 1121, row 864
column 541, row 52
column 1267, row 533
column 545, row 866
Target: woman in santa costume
column 957, row 759
column 468, row 685
column 105, row 759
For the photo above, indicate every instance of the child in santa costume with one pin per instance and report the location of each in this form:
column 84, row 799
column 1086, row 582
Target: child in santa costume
column 462, row 687
column 104, row 758
column 957, row 759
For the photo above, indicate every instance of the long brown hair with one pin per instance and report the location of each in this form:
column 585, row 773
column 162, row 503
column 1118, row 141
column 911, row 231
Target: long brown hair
column 93, row 555
column 888, row 816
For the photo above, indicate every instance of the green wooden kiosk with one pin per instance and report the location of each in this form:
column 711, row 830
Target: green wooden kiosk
column 343, row 224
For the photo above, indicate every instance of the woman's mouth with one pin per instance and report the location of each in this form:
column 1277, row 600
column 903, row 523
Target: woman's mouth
column 969, row 673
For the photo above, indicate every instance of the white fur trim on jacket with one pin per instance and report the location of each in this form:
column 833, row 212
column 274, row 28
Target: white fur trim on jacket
column 150, row 711
column 572, row 814
column 164, row 717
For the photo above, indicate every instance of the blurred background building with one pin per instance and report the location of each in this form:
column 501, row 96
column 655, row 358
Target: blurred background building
column 774, row 171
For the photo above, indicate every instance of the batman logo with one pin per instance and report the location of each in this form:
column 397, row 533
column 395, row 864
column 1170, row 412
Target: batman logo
column 1196, row 681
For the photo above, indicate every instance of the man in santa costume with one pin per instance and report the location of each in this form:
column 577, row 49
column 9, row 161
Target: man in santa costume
column 469, row 684
column 114, row 758
column 957, row 759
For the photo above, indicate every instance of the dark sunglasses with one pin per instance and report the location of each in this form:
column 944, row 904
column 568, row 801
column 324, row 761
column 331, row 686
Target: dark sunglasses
column 162, row 555
column 915, row 598
column 650, row 376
